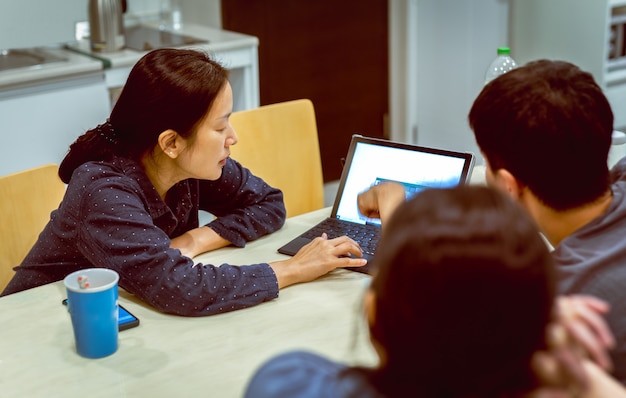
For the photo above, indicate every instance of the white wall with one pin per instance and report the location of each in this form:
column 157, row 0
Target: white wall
column 30, row 23
column 203, row 12
column 439, row 51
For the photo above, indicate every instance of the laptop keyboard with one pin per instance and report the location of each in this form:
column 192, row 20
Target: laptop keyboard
column 366, row 236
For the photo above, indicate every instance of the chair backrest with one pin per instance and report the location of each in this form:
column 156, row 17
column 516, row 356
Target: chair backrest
column 28, row 197
column 279, row 143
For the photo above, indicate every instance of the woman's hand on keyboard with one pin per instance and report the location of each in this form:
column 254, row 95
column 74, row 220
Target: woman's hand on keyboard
column 318, row 258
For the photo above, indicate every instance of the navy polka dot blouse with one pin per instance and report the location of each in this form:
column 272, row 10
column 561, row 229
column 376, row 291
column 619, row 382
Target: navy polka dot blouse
column 112, row 217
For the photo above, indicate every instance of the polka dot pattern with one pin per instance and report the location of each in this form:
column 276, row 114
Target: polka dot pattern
column 112, row 217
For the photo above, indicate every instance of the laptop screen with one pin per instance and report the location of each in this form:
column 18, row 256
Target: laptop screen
column 373, row 161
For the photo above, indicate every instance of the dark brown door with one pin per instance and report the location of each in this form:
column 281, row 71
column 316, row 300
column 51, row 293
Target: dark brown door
column 334, row 53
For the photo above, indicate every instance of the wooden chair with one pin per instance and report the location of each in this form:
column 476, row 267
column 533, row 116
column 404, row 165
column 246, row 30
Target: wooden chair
column 28, row 197
column 279, row 143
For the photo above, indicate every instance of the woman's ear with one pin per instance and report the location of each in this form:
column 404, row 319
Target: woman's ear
column 170, row 143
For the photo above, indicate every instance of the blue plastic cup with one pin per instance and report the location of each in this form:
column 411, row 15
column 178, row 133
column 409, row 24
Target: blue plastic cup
column 92, row 303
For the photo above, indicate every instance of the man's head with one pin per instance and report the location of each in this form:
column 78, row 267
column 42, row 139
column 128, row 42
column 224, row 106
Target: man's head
column 549, row 125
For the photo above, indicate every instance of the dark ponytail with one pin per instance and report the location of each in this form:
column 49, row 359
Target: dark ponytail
column 95, row 144
column 167, row 89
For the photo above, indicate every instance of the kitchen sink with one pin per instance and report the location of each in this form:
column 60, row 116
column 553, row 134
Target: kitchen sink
column 27, row 58
column 146, row 38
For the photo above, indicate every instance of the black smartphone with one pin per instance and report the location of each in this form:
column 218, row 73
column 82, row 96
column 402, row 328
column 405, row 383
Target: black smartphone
column 126, row 320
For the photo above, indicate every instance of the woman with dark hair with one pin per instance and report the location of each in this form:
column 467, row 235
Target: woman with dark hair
column 459, row 307
column 136, row 183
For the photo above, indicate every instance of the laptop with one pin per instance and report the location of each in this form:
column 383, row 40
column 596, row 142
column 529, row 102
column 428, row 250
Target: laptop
column 371, row 161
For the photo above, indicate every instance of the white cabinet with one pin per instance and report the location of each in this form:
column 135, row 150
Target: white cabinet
column 43, row 110
column 586, row 33
column 40, row 123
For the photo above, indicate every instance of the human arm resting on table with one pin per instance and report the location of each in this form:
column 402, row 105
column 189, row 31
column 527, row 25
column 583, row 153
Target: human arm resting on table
column 245, row 207
column 198, row 240
column 123, row 236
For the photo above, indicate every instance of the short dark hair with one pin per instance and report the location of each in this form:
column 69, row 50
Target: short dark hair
column 166, row 89
column 464, row 291
column 550, row 125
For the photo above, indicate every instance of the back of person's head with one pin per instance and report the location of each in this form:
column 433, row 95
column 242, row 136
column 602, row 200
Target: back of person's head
column 463, row 292
column 166, row 89
column 550, row 125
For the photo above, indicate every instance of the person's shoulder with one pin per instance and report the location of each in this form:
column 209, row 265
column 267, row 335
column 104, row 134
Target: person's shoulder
column 92, row 171
column 307, row 360
column 296, row 374
column 295, row 364
column 94, row 178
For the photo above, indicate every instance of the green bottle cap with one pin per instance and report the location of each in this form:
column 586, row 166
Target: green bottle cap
column 504, row 51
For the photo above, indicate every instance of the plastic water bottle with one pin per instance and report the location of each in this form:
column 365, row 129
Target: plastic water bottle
column 502, row 64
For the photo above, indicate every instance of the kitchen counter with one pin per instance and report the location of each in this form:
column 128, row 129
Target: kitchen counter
column 74, row 65
column 216, row 40
column 236, row 51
